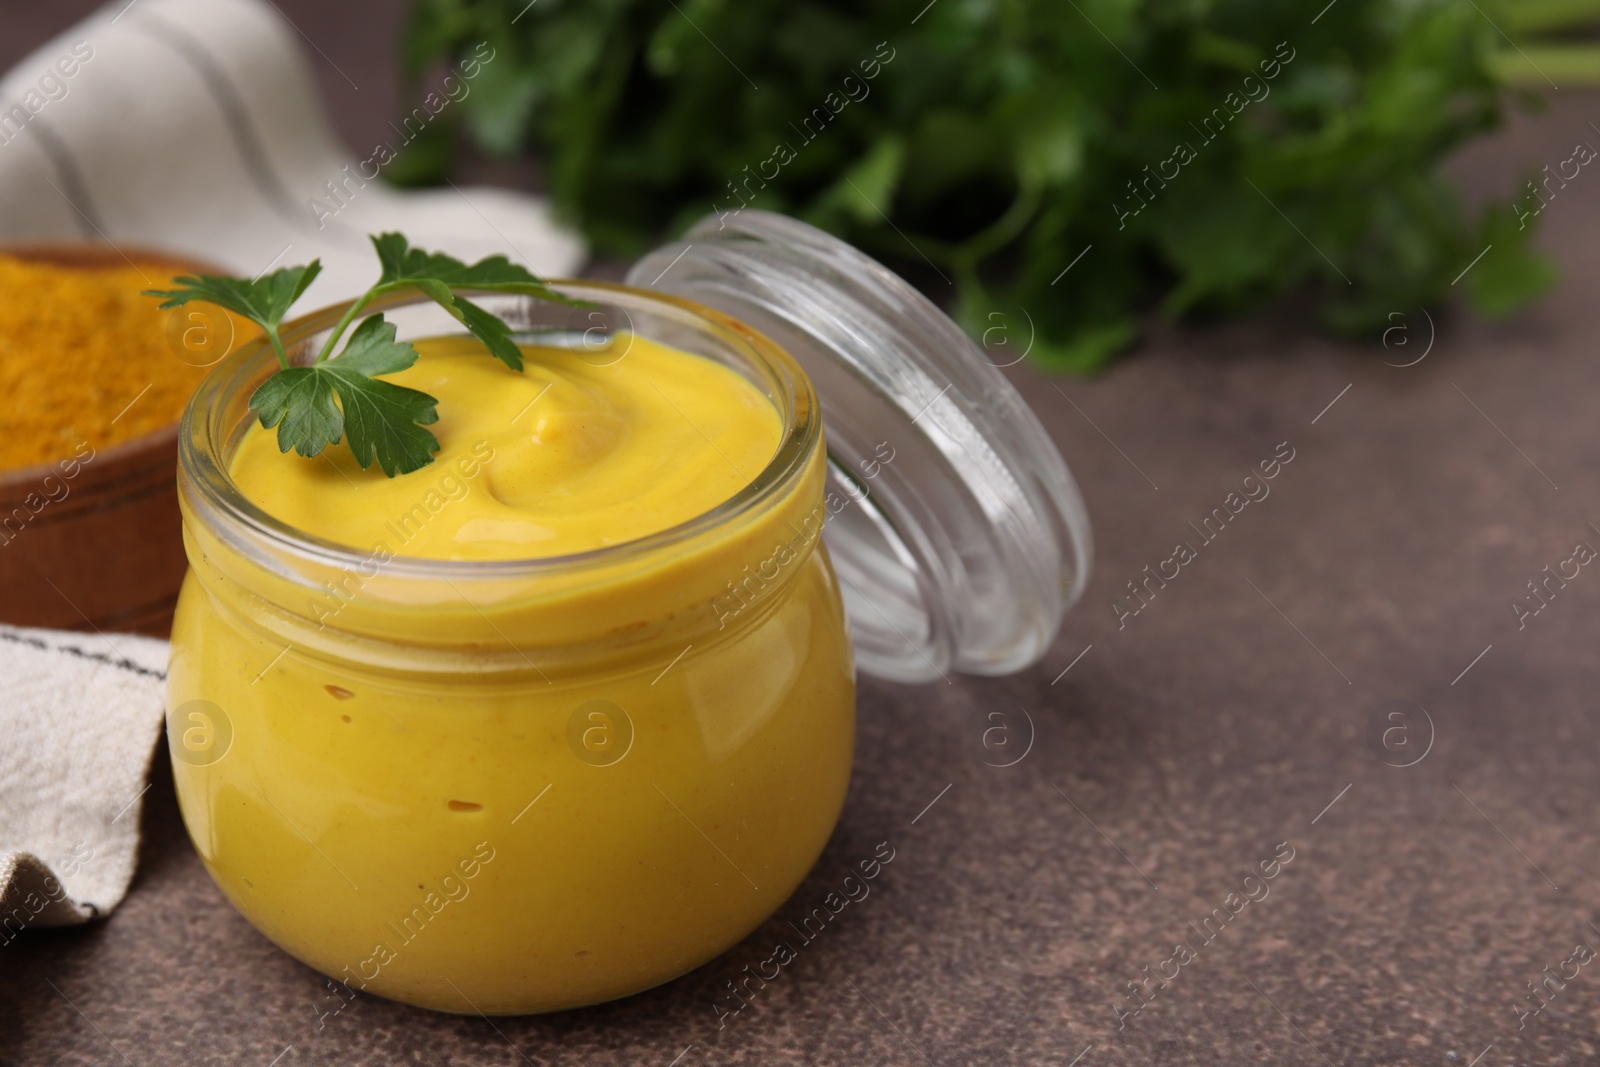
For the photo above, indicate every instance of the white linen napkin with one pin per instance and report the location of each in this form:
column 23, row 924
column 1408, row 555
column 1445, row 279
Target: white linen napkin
column 191, row 126
column 195, row 126
column 78, row 722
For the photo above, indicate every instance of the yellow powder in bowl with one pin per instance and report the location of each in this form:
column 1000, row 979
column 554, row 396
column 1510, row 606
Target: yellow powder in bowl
column 84, row 358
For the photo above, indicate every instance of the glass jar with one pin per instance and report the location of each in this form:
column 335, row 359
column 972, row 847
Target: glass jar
column 519, row 786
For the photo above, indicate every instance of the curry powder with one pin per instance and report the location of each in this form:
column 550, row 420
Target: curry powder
column 85, row 358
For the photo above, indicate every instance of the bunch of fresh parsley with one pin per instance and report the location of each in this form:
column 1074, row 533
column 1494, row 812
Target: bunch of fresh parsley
column 1004, row 139
column 385, row 422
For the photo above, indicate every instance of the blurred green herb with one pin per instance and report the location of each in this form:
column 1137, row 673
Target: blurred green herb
column 992, row 142
column 385, row 422
column 1551, row 43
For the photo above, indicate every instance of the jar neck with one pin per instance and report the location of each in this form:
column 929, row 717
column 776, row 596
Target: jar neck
column 701, row 591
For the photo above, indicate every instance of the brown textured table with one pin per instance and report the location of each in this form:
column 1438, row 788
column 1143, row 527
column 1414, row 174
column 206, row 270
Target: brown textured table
column 1176, row 754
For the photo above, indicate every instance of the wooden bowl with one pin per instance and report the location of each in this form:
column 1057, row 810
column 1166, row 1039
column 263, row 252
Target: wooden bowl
column 103, row 548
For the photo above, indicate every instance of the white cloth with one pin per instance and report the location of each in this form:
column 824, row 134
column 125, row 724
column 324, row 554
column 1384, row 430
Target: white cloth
column 79, row 719
column 190, row 126
column 194, row 126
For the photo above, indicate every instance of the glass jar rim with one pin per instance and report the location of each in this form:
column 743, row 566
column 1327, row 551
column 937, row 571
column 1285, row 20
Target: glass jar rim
column 205, row 445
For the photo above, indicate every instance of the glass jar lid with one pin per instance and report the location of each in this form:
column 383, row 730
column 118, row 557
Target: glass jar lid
column 957, row 532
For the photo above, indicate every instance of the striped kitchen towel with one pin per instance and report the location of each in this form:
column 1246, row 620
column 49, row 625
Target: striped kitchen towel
column 80, row 720
column 195, row 126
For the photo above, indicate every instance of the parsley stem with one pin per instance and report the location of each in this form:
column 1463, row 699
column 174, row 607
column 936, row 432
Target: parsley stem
column 344, row 324
column 277, row 344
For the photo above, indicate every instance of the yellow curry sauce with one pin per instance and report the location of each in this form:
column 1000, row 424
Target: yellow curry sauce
column 583, row 455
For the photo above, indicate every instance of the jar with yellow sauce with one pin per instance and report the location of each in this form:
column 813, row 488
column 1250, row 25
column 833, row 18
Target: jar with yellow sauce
column 571, row 711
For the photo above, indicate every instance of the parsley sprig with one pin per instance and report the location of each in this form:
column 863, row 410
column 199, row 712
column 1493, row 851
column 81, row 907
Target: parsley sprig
column 317, row 404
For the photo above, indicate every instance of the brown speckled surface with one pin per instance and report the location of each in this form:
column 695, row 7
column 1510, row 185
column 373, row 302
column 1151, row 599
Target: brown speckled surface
column 1177, row 752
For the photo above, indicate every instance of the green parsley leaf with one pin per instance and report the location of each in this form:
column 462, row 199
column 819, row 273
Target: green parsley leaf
column 403, row 264
column 384, row 420
column 437, row 275
column 372, row 349
column 299, row 402
column 335, row 398
column 264, row 301
column 491, row 330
